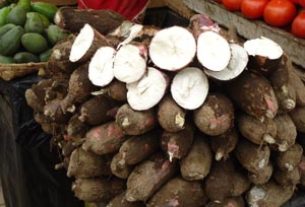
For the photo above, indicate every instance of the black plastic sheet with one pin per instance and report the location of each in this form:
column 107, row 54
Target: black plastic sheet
column 27, row 161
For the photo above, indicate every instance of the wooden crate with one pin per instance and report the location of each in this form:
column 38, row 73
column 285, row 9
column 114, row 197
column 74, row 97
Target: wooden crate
column 294, row 47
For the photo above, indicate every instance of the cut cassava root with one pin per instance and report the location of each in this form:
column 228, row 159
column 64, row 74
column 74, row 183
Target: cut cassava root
column 129, row 64
column 265, row 54
column 213, row 51
column 86, row 43
column 115, row 122
column 172, row 48
column 101, row 66
column 148, row 91
column 190, row 88
column 236, row 66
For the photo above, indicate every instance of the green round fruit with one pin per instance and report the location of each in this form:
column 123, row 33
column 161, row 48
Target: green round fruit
column 17, row 16
column 34, row 43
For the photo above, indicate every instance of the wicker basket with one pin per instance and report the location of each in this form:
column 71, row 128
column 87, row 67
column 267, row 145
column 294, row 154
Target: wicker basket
column 12, row 71
column 59, row 2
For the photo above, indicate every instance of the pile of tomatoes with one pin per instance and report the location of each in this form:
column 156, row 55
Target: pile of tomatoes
column 279, row 13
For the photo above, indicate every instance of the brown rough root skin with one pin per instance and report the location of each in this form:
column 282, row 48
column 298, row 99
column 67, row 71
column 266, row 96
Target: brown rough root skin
column 87, row 165
column 171, row 116
column 148, row 177
column 178, row 192
column 73, row 19
column 79, row 89
column 263, row 65
column 301, row 167
column 54, row 111
column 59, row 59
column 287, row 178
column 177, row 145
column 215, row 116
column 104, row 139
column 224, row 144
column 253, row 94
column 256, row 131
column 271, row 194
column 117, row 90
column 262, row 176
column 229, row 202
column 97, row 110
column 286, row 132
column 225, row 181
column 197, row 164
column 97, row 189
column 120, row 200
column 76, row 128
column 119, row 168
column 289, row 160
column 138, row 148
column 47, row 125
column 252, row 157
column 35, row 96
column 135, row 122
column 283, row 88
column 299, row 88
column 298, row 118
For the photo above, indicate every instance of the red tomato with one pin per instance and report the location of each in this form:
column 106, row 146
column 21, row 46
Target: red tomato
column 279, row 12
column 253, row 9
column 298, row 25
column 294, row 1
column 232, row 5
column 302, row 3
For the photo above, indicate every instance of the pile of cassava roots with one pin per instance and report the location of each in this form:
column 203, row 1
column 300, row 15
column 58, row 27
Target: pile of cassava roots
column 172, row 117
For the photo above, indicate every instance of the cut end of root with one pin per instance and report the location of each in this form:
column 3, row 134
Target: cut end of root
column 170, row 156
column 71, row 109
column 58, row 18
column 289, row 104
column 268, row 139
column 283, row 147
column 237, row 65
column 101, row 66
column 213, row 51
column 219, row 156
column 190, row 88
column 130, row 63
column 148, row 91
column 172, row 48
column 125, row 122
column 180, row 120
column 82, row 43
column 264, row 47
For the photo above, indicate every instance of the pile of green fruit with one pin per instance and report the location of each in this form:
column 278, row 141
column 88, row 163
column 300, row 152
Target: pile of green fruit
column 27, row 32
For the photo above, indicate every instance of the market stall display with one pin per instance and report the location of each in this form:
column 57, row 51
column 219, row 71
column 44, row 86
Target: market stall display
column 143, row 122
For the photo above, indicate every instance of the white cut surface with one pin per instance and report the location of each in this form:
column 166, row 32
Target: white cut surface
column 190, row 88
column 101, row 66
column 129, row 63
column 213, row 51
column 82, row 43
column 264, row 47
column 148, row 91
column 237, row 65
column 172, row 48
